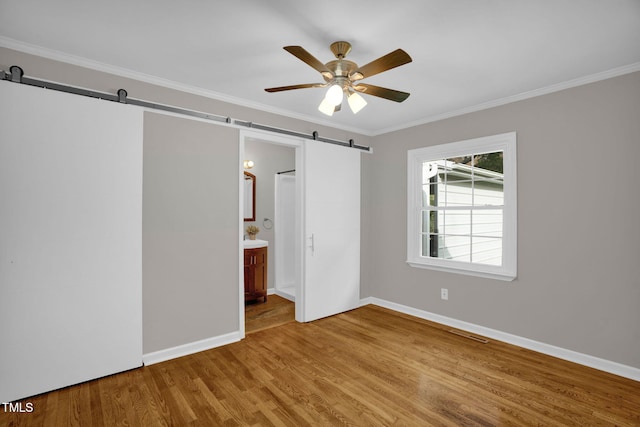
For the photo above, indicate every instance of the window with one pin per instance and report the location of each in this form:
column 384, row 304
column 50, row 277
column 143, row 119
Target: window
column 462, row 207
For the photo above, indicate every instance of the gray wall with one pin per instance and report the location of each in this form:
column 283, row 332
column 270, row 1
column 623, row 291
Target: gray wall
column 189, row 231
column 578, row 284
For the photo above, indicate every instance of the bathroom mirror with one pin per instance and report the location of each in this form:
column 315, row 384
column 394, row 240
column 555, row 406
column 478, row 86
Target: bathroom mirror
column 249, row 197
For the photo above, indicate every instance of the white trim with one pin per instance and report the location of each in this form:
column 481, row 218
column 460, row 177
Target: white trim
column 465, row 269
column 507, row 143
column 285, row 295
column 147, row 78
column 298, row 144
column 580, row 81
column 190, row 348
column 548, row 349
column 241, row 323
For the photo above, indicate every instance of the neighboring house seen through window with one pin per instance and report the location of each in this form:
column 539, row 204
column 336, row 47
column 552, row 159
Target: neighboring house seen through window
column 462, row 207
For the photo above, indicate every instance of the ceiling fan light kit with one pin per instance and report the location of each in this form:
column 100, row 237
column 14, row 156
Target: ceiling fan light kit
column 326, row 107
column 356, row 102
column 334, row 95
column 343, row 77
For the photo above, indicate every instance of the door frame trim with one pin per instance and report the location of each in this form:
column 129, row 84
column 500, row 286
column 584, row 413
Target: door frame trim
column 298, row 145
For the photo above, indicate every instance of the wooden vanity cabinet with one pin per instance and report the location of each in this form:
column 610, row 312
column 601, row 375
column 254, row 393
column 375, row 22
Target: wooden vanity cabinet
column 255, row 274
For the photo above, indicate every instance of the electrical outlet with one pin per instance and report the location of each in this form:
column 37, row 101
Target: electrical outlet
column 444, row 293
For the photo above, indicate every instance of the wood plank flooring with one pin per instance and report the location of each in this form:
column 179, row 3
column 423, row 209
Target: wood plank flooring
column 260, row 315
column 367, row 367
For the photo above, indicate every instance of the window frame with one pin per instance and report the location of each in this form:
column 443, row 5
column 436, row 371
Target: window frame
column 506, row 143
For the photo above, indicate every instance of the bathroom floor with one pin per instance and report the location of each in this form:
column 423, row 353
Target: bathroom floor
column 275, row 312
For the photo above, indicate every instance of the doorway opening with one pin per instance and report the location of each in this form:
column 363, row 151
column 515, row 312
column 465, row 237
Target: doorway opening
column 276, row 311
column 327, row 225
column 278, row 212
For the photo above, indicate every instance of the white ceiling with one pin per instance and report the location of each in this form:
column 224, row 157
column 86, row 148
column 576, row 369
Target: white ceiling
column 466, row 53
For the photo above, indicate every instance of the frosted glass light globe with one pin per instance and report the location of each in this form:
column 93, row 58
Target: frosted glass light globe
column 334, row 95
column 326, row 107
column 356, row 102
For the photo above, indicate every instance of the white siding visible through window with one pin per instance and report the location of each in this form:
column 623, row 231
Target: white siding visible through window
column 466, row 200
column 472, row 234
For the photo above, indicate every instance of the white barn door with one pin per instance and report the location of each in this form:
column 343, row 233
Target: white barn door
column 70, row 240
column 332, row 230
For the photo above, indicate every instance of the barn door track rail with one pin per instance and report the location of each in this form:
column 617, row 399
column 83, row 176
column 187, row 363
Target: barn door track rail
column 16, row 75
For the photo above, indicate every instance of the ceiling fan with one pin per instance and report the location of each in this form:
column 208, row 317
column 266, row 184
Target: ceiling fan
column 343, row 77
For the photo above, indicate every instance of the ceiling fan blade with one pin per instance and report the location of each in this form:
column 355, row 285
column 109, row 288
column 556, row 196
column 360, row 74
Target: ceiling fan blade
column 303, row 55
column 391, row 60
column 301, row 86
column 382, row 92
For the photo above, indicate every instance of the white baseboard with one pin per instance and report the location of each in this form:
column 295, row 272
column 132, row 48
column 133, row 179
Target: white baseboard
column 190, row 348
column 285, row 295
column 551, row 350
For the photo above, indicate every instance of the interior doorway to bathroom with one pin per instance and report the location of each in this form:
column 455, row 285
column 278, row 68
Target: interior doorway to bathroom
column 326, row 224
column 273, row 165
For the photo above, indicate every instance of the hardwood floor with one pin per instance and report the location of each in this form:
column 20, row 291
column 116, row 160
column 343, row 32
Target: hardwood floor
column 367, row 367
column 260, row 315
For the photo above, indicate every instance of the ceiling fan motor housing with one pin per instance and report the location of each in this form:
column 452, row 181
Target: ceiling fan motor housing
column 340, row 49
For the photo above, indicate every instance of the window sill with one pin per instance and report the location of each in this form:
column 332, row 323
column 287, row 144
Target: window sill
column 498, row 274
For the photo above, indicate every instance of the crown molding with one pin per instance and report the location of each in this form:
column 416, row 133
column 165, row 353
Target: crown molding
column 615, row 72
column 147, row 78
